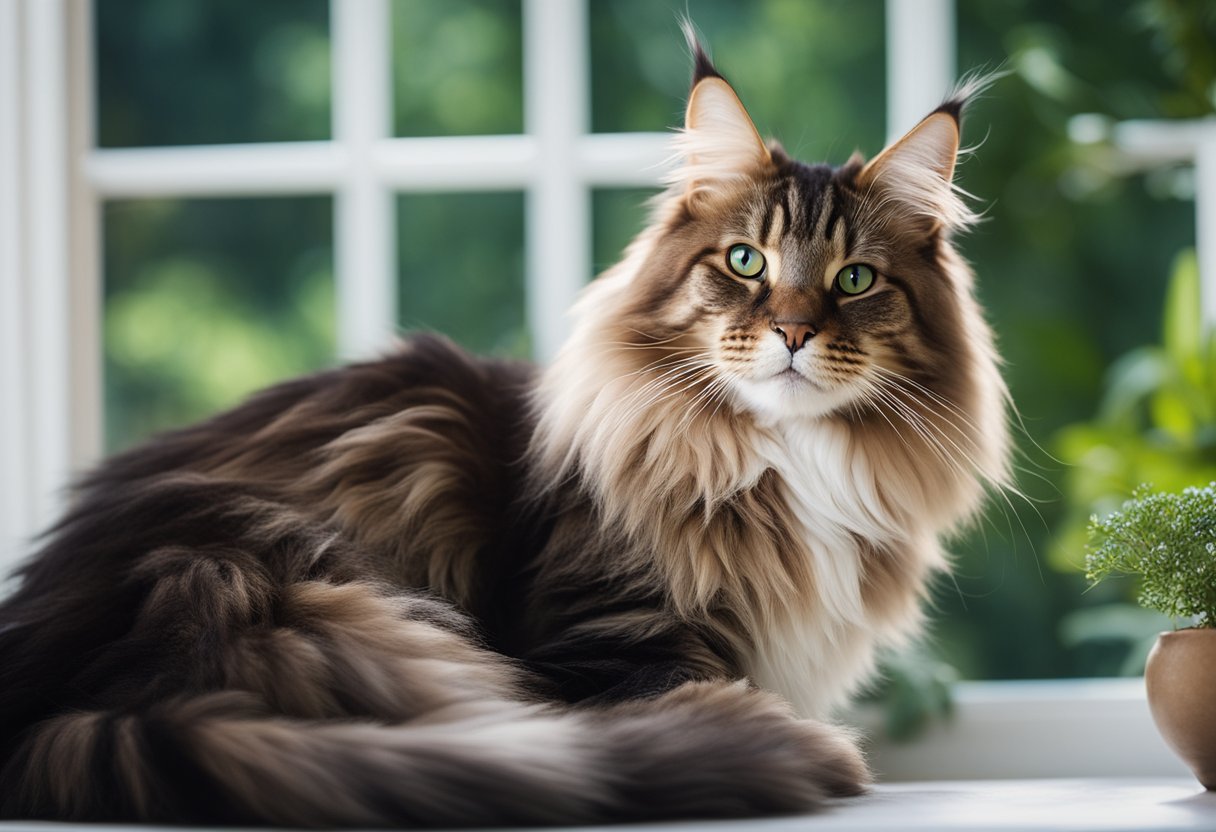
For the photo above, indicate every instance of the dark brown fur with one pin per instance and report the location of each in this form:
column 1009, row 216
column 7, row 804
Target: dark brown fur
column 195, row 638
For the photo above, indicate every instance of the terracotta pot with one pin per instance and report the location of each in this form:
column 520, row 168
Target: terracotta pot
column 1181, row 681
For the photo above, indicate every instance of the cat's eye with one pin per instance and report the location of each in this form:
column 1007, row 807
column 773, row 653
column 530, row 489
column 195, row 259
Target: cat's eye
column 745, row 261
column 855, row 279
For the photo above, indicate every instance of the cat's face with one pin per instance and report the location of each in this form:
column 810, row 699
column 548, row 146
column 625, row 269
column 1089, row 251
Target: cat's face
column 797, row 291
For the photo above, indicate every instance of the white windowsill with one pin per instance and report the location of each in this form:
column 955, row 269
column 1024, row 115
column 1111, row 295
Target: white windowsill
column 1032, row 729
column 1094, row 805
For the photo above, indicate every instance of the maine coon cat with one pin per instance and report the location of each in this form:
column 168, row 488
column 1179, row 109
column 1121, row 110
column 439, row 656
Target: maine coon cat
column 434, row 589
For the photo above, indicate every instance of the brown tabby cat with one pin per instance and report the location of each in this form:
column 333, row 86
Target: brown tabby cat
column 441, row 590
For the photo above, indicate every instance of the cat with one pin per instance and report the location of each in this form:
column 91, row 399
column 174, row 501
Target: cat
column 439, row 590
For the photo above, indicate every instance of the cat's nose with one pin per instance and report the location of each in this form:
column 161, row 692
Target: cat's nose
column 794, row 333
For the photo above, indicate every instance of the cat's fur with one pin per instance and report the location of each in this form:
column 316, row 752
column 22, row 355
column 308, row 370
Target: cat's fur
column 435, row 590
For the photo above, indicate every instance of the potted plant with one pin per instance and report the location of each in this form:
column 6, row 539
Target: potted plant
column 1169, row 542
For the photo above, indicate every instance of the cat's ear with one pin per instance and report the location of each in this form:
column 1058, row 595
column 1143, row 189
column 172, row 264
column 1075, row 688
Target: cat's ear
column 916, row 173
column 719, row 144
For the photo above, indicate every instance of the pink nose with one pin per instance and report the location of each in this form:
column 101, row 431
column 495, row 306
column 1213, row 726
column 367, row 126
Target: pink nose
column 795, row 333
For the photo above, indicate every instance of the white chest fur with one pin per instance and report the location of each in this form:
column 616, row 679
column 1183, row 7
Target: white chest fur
column 816, row 656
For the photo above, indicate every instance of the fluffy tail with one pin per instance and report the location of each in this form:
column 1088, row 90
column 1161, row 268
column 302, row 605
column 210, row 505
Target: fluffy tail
column 703, row 750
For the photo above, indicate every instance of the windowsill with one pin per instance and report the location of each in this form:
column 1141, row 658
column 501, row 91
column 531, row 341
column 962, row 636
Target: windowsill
column 1095, row 805
column 1032, row 729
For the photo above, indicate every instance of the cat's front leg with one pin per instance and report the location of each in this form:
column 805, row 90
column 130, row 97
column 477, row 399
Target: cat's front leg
column 601, row 661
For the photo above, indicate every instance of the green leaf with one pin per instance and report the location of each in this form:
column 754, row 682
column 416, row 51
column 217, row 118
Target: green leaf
column 1166, row 540
column 1172, row 414
column 1183, row 333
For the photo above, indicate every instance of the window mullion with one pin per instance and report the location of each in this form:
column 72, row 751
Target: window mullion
column 364, row 238
column 1151, row 144
column 556, row 115
column 920, row 60
column 626, row 160
column 45, row 268
column 1205, row 223
column 85, row 277
column 261, row 169
column 16, row 506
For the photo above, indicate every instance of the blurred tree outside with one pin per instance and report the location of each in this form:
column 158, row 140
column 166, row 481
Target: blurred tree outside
column 457, row 68
column 180, row 72
column 1072, row 261
column 1073, row 265
column 462, row 269
column 207, row 301
column 1155, row 430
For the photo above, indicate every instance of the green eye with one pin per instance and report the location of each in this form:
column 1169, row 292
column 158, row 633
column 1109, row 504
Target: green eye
column 745, row 261
column 855, row 279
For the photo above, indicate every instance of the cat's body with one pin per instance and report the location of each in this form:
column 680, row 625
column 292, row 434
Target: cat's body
column 433, row 589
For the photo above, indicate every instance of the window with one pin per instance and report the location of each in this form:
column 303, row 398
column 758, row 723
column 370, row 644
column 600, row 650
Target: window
column 309, row 173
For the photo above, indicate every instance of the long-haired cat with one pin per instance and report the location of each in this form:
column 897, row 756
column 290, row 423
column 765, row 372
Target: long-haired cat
column 437, row 590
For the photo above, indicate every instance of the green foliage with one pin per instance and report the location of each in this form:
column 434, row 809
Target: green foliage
column 473, row 293
column 1069, row 266
column 457, row 67
column 180, row 72
column 209, row 300
column 811, row 72
column 1168, row 540
column 1156, row 421
column 1183, row 33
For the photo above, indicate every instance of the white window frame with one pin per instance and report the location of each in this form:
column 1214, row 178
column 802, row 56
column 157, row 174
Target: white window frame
column 1155, row 144
column 53, row 181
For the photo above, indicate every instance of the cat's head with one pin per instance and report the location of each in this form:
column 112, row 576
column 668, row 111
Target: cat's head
column 799, row 291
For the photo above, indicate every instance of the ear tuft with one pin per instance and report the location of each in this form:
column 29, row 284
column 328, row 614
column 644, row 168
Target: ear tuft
column 702, row 66
column 952, row 107
column 917, row 172
column 719, row 143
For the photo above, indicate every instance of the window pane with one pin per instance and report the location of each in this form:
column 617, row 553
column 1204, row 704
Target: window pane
column 810, row 73
column 208, row 300
column 618, row 214
column 462, row 269
column 1072, row 265
column 172, row 72
column 457, row 67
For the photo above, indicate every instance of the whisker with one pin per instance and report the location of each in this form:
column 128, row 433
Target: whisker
column 1003, row 487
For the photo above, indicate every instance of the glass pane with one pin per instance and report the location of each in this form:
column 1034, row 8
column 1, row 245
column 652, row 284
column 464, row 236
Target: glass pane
column 1072, row 264
column 462, row 269
column 457, row 67
column 208, row 300
column 810, row 73
column 618, row 214
column 172, row 72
